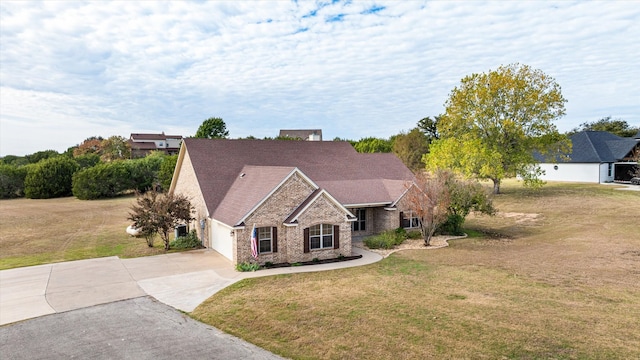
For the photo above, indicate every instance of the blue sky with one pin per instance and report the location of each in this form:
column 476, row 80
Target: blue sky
column 71, row 70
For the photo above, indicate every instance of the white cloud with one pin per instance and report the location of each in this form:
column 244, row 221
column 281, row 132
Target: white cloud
column 111, row 68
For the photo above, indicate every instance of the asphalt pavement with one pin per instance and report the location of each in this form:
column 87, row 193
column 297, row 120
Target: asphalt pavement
column 140, row 328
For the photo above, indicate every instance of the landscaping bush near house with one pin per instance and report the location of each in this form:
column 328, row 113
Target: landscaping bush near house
column 386, row 240
column 453, row 225
column 245, row 266
column 414, row 234
column 190, row 241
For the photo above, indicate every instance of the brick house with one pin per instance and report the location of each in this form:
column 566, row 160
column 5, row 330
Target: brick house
column 307, row 199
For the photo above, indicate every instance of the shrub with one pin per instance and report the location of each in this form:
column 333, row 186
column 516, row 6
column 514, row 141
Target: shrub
column 144, row 172
column 165, row 174
column 386, row 240
column 50, row 178
column 453, row 225
column 104, row 180
column 415, row 234
column 12, row 181
column 245, row 266
column 190, row 241
column 87, row 160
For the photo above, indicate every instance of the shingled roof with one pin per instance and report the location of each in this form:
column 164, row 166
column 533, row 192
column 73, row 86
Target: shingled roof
column 599, row 147
column 350, row 177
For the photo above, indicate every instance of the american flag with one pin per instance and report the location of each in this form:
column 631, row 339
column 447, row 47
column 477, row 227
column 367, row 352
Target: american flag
column 254, row 242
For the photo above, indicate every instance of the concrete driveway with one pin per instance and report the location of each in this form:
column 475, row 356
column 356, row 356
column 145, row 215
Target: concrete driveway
column 180, row 280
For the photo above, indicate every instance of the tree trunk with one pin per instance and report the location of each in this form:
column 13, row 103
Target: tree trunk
column 496, row 186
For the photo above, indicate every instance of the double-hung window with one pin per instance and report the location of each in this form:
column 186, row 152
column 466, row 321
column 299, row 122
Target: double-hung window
column 265, row 240
column 321, row 236
column 410, row 220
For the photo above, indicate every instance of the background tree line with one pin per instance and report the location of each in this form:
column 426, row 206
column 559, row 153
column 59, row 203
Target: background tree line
column 492, row 138
column 97, row 168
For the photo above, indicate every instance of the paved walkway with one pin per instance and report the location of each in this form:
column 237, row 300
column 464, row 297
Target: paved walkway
column 180, row 280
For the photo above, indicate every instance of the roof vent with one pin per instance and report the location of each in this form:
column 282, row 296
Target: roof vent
column 242, row 175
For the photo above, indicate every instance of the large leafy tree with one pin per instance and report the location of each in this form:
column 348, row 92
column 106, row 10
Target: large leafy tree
column 495, row 122
column 157, row 213
column 91, row 145
column 115, row 148
column 212, row 128
column 410, row 147
column 429, row 127
column 615, row 126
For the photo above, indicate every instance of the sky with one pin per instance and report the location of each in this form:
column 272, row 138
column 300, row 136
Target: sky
column 72, row 70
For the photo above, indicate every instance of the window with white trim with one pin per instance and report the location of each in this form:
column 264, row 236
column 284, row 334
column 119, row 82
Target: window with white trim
column 410, row 220
column 321, row 236
column 265, row 240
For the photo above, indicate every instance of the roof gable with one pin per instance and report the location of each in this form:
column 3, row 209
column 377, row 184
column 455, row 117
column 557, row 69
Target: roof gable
column 333, row 165
column 599, row 147
column 252, row 187
column 310, row 200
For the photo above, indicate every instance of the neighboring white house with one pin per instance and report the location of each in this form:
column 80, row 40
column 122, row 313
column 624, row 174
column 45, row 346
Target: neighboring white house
column 596, row 157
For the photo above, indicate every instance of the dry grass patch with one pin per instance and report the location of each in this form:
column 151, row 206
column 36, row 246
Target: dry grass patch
column 564, row 286
column 36, row 232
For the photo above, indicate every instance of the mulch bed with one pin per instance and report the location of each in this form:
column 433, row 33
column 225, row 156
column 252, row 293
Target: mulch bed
column 316, row 262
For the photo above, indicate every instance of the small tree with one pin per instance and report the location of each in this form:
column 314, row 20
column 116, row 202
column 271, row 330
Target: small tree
column 212, row 128
column 428, row 197
column 156, row 213
column 465, row 196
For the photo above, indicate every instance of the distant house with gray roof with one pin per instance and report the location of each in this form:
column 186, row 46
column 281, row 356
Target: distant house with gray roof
column 596, row 157
column 306, row 199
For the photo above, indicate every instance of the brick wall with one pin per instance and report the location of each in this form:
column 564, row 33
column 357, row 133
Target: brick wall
column 276, row 209
column 272, row 213
column 187, row 184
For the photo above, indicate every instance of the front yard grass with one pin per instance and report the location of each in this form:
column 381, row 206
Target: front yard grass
column 555, row 275
column 34, row 232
